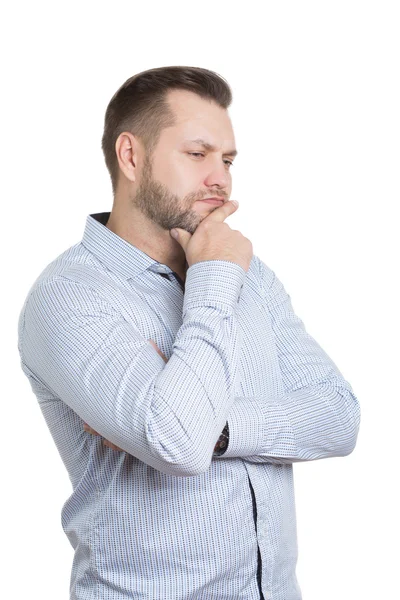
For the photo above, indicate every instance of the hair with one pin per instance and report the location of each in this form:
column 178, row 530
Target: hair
column 140, row 106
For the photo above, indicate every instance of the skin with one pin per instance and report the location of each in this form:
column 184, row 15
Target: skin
column 155, row 195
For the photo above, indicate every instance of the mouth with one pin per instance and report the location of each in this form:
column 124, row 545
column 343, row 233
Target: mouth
column 214, row 201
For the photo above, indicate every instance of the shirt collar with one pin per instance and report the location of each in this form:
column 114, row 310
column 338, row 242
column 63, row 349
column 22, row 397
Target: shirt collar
column 114, row 252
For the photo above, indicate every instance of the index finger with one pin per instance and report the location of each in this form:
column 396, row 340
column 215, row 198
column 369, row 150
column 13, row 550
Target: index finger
column 158, row 350
column 223, row 211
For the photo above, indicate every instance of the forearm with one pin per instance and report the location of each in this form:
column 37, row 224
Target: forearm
column 311, row 423
column 167, row 415
column 313, row 413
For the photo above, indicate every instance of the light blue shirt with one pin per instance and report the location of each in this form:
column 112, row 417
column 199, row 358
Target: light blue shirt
column 166, row 519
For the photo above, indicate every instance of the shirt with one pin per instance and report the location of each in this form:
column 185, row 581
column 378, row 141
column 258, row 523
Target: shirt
column 165, row 519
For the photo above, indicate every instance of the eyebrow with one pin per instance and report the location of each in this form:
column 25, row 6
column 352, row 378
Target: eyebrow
column 210, row 147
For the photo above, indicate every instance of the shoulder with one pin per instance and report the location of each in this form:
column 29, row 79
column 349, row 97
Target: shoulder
column 64, row 289
column 75, row 268
column 264, row 275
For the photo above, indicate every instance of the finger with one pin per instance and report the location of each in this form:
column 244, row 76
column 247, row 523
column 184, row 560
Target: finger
column 112, row 446
column 181, row 236
column 89, row 429
column 158, row 350
column 222, row 212
column 219, row 214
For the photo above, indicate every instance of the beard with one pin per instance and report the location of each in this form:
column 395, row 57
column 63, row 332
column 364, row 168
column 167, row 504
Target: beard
column 159, row 205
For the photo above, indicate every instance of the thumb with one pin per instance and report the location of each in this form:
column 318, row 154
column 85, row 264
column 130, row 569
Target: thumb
column 181, row 236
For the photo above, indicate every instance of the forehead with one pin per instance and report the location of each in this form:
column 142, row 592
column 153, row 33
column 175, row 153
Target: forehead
column 199, row 118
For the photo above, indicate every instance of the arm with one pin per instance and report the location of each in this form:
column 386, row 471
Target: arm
column 168, row 415
column 317, row 416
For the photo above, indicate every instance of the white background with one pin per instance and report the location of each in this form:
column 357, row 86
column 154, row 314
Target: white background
column 316, row 117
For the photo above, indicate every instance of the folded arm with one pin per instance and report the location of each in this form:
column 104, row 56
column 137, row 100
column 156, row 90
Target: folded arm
column 169, row 415
column 316, row 417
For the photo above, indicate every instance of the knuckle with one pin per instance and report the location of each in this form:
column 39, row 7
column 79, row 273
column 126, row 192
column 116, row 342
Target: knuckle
column 224, row 227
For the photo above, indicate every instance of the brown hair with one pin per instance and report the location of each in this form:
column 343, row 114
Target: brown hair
column 140, row 106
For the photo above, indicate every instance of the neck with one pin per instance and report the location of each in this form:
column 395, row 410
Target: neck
column 149, row 237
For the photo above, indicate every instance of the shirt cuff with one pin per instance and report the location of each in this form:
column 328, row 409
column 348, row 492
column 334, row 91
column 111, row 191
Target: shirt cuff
column 246, row 428
column 213, row 283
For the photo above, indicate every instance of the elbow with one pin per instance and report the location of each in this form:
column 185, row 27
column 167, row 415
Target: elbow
column 349, row 419
column 339, row 435
column 191, row 465
column 178, row 455
column 345, row 446
column 195, row 469
column 177, row 446
column 348, row 441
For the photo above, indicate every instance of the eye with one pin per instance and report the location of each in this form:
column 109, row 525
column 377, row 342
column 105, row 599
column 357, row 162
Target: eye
column 228, row 162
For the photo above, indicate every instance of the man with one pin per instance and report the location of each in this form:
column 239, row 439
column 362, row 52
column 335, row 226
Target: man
column 184, row 356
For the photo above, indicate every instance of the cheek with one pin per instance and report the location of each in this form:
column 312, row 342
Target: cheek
column 182, row 179
column 164, row 172
column 173, row 175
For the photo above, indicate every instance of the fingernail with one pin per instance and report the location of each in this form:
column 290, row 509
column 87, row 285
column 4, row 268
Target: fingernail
column 235, row 202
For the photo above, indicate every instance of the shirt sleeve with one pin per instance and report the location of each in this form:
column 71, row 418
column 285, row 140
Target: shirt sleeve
column 169, row 415
column 317, row 416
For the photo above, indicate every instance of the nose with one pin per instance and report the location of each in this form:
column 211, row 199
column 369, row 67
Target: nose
column 218, row 176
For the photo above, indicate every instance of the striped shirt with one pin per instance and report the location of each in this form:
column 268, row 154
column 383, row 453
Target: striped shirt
column 165, row 518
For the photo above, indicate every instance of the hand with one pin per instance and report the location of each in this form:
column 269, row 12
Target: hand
column 158, row 350
column 105, row 442
column 215, row 240
column 93, row 432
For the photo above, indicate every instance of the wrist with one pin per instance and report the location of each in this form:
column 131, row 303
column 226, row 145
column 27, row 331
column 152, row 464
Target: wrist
column 222, row 442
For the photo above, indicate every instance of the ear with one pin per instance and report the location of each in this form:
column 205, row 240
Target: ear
column 126, row 149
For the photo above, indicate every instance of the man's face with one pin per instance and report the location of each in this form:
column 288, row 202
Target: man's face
column 172, row 186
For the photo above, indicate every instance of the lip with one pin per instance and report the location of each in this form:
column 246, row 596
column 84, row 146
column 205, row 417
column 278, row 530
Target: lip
column 214, row 201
